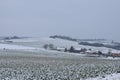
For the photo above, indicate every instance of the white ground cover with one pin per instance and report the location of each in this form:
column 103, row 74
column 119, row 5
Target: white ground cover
column 107, row 77
column 39, row 42
column 29, row 61
column 40, row 51
column 8, row 46
column 32, row 66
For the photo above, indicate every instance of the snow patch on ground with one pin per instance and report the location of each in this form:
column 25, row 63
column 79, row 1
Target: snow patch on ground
column 8, row 46
column 115, row 76
column 110, row 58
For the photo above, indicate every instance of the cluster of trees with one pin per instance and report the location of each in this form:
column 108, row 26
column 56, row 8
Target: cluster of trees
column 63, row 37
column 13, row 37
column 92, row 44
column 72, row 49
column 73, row 39
column 92, row 40
column 48, row 46
column 117, row 47
column 83, row 50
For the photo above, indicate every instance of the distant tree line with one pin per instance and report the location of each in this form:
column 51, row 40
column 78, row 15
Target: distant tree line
column 92, row 44
column 13, row 37
column 117, row 47
column 63, row 37
column 92, row 39
column 73, row 39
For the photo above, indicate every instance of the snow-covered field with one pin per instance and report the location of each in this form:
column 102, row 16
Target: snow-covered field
column 8, row 46
column 27, row 60
column 25, row 65
column 107, row 77
column 39, row 42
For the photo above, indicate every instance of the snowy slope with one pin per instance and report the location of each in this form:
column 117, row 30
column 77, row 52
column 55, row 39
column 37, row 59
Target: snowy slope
column 68, row 44
column 8, row 46
column 35, row 45
column 60, row 43
column 36, row 50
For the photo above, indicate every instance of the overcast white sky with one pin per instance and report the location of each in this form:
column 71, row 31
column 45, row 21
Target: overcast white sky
column 75, row 18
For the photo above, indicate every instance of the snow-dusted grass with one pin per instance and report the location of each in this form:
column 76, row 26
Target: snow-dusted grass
column 115, row 76
column 23, row 65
